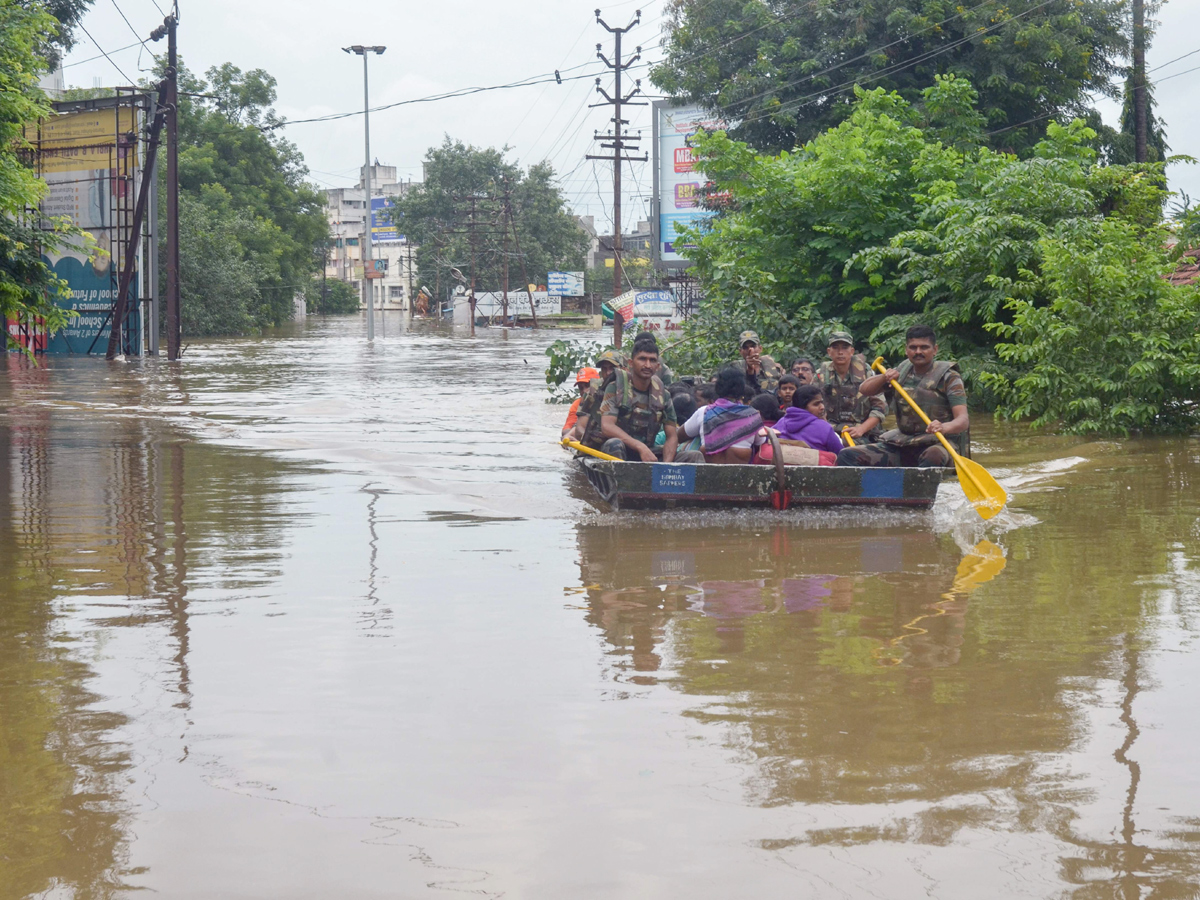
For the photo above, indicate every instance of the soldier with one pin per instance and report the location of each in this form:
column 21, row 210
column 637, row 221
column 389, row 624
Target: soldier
column 636, row 406
column 938, row 388
column 762, row 373
column 845, row 408
column 587, row 422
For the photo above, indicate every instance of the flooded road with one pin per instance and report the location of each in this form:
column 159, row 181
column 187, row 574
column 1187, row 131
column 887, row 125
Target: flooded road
column 304, row 618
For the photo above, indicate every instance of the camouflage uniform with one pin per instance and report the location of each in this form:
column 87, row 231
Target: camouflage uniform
column 767, row 379
column 639, row 414
column 937, row 392
column 844, row 405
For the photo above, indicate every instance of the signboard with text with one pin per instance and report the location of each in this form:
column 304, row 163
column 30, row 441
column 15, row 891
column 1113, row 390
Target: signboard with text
column 383, row 229
column 565, row 284
column 678, row 187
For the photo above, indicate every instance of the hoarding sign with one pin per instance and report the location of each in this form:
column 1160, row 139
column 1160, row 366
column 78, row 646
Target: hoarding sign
column 645, row 306
column 677, row 184
column 491, row 303
column 89, row 163
column 565, row 284
column 383, row 229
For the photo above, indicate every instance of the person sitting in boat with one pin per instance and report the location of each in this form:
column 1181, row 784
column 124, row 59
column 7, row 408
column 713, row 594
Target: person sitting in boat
column 768, row 407
column 685, row 408
column 635, row 406
column 805, row 421
column 587, row 426
column 937, row 388
column 760, row 371
column 786, row 390
column 803, row 369
column 845, row 408
column 586, row 380
column 728, row 429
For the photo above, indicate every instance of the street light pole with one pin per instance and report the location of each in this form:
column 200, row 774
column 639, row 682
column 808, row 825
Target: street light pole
column 368, row 286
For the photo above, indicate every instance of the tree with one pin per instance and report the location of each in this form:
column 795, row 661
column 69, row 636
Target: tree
column 435, row 215
column 231, row 163
column 784, row 71
column 331, row 297
column 27, row 285
column 68, row 14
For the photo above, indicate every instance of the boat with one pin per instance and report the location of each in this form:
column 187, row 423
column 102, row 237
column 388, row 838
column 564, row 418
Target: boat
column 640, row 485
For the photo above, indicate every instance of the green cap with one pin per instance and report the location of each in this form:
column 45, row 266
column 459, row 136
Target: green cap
column 748, row 337
column 616, row 357
column 841, row 337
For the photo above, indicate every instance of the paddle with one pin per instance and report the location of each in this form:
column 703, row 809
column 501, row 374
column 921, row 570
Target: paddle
column 846, row 437
column 575, row 445
column 982, row 490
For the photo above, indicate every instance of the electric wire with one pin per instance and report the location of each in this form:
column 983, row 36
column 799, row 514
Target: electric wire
column 101, row 55
column 105, row 54
column 1175, row 60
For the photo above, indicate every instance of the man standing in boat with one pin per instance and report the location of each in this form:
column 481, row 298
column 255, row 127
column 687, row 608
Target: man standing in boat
column 762, row 373
column 636, row 406
column 937, row 387
column 846, row 409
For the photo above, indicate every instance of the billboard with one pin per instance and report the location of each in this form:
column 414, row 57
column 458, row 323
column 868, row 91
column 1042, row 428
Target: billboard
column 491, row 303
column 677, row 184
column 89, row 162
column 565, row 284
column 383, row 230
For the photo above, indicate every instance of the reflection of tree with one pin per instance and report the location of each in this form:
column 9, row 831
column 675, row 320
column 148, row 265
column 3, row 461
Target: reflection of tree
column 895, row 688
column 107, row 506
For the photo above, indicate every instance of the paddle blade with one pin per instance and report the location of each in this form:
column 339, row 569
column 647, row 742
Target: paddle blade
column 982, row 490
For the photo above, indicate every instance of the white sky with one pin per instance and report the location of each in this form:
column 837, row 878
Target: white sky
column 436, row 47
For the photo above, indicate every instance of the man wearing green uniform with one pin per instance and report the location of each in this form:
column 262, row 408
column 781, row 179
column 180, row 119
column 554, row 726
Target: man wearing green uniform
column 845, row 408
column 587, row 423
column 937, row 388
column 762, row 373
column 636, row 406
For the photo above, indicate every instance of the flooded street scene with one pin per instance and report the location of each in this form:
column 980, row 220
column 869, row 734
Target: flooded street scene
column 757, row 457
column 276, row 625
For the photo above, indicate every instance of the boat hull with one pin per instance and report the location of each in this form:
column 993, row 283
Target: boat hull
column 638, row 485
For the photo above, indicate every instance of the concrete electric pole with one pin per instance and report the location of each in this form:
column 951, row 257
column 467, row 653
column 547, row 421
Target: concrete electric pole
column 618, row 143
column 368, row 286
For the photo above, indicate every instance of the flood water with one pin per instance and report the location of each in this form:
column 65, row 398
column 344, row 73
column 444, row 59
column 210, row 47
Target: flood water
column 305, row 618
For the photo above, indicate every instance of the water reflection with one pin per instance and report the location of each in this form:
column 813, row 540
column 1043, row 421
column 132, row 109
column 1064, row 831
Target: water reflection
column 106, row 522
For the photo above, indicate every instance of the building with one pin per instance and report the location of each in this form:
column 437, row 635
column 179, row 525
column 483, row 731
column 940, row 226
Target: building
column 346, row 210
column 634, row 245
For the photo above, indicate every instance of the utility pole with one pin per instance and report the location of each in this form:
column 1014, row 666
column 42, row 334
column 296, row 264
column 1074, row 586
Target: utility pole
column 368, row 283
column 167, row 30
column 1140, row 111
column 524, row 272
column 618, row 143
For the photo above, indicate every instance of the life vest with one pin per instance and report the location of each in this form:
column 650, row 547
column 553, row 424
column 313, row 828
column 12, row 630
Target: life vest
column 930, row 395
column 592, row 435
column 844, row 405
column 640, row 422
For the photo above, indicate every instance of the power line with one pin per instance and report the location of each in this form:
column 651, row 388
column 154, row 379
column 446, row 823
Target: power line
column 1177, row 74
column 105, row 54
column 1175, row 60
column 100, row 55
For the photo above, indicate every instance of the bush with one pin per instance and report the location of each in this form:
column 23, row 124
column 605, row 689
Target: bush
column 331, row 298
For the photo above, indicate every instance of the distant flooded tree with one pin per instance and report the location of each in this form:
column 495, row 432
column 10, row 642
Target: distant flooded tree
column 436, row 216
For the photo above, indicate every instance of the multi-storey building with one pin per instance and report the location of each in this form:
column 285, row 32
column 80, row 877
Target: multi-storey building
column 346, row 209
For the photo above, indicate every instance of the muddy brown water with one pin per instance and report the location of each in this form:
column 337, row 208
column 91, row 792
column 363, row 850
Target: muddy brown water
column 304, row 618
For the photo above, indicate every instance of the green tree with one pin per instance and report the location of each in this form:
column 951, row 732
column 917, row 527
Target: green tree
column 27, row 286
column 231, row 162
column 331, row 297
column 784, row 70
column 435, row 215
column 68, row 14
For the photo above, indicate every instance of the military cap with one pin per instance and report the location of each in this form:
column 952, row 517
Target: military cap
column 748, row 337
column 841, row 336
column 616, row 357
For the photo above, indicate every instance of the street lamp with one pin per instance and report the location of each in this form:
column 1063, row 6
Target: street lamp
column 368, row 287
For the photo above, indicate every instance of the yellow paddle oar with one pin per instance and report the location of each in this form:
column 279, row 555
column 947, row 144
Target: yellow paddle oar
column 982, row 490
column 846, row 437
column 575, row 445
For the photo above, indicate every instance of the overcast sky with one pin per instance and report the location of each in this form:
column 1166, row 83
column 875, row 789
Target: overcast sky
column 442, row 46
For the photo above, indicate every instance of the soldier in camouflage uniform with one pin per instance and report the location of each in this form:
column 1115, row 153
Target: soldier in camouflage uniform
column 762, row 373
column 937, row 388
column 845, row 407
column 635, row 406
column 587, row 423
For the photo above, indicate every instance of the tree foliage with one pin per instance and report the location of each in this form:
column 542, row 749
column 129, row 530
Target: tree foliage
column 435, row 214
column 67, row 14
column 331, row 297
column 27, row 286
column 900, row 215
column 232, row 164
column 784, row 70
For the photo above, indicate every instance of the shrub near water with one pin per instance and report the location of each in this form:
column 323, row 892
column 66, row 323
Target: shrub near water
column 1117, row 350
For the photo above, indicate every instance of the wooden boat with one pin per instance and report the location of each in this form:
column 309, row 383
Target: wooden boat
column 639, row 485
